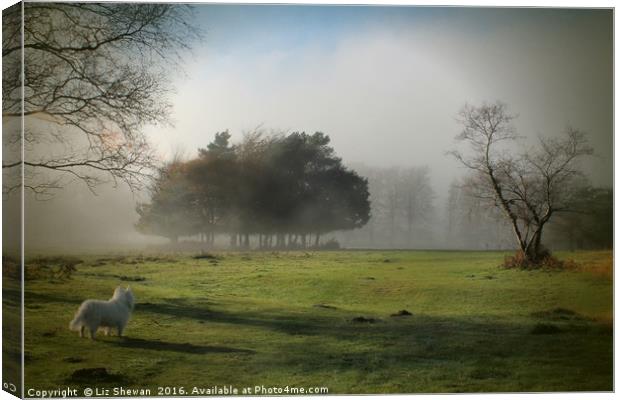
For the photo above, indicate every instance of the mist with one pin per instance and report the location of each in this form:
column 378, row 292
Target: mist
column 385, row 83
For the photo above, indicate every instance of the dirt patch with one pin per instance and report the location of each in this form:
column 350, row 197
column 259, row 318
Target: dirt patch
column 205, row 256
column 90, row 375
column 545, row 329
column 401, row 313
column 98, row 263
column 130, row 260
column 126, row 278
column 327, row 306
column 364, row 320
column 560, row 314
column 73, row 360
column 110, row 260
column 158, row 259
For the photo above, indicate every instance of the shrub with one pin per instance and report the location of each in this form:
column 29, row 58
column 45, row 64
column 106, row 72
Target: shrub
column 544, row 261
column 11, row 267
column 55, row 267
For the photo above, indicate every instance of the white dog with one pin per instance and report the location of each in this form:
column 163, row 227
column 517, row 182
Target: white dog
column 113, row 313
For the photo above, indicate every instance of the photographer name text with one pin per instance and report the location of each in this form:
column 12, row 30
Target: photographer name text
column 226, row 390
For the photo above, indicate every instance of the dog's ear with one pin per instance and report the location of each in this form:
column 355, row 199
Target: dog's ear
column 128, row 289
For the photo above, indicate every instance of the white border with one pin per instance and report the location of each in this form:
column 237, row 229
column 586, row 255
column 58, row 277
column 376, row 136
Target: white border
column 479, row 3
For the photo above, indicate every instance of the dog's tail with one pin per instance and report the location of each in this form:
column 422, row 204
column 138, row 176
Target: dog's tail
column 76, row 323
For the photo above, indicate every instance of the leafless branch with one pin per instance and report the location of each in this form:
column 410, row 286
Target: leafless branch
column 98, row 71
column 529, row 188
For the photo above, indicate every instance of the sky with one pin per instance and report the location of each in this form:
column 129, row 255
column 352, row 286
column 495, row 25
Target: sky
column 386, row 83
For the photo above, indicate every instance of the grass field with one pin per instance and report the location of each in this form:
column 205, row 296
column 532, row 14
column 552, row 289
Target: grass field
column 288, row 318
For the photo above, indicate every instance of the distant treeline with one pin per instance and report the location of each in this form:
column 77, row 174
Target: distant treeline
column 285, row 190
column 290, row 191
column 403, row 214
column 586, row 224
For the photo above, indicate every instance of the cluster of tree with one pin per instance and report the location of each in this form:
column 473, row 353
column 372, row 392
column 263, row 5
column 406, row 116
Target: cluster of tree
column 402, row 209
column 589, row 224
column 284, row 190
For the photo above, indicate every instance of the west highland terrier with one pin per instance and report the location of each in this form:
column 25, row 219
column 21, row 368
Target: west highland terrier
column 114, row 313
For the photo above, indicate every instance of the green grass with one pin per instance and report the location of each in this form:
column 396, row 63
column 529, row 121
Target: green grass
column 253, row 319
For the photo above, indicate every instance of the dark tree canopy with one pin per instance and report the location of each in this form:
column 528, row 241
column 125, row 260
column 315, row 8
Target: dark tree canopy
column 590, row 223
column 96, row 74
column 277, row 187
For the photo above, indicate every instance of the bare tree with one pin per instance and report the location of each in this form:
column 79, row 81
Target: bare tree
column 94, row 75
column 530, row 187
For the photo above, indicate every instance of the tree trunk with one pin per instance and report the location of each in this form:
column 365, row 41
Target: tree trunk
column 534, row 252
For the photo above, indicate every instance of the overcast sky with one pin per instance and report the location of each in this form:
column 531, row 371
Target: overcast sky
column 386, row 82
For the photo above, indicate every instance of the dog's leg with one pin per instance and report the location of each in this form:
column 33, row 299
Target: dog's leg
column 119, row 328
column 82, row 330
column 93, row 332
